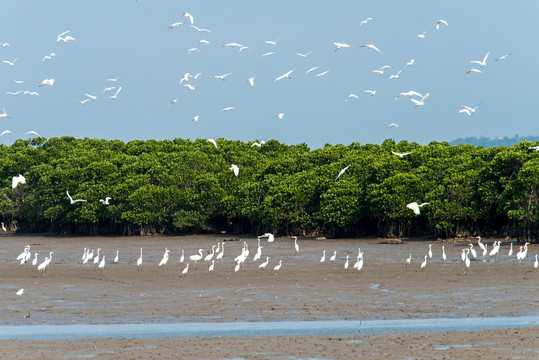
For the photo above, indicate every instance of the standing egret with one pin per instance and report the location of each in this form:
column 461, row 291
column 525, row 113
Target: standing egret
column 3, row 227
column 210, row 256
column 408, row 260
column 102, row 264
column 96, row 258
column 258, row 253
column 346, row 263
column 480, row 244
column 238, row 266
column 20, row 292
column 212, row 265
column 164, row 260
column 444, row 257
column 221, row 254
column 296, row 246
column 117, row 257
column 23, row 254
column 472, row 251
column 182, row 257
column 44, row 264
column 139, row 260
column 264, row 264
column 332, row 258
column 323, row 258
column 186, row 269
column 510, row 253
column 34, row 261
column 359, row 264
column 196, row 257
column 536, row 262
column 278, row 267
column 424, row 263
column 467, row 260
column 463, row 255
column 430, row 251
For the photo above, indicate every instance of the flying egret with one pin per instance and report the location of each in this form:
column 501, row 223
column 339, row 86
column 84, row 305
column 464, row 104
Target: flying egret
column 174, row 101
column 174, row 25
column 483, row 62
column 272, row 42
column 14, row 93
column 258, row 144
column 350, row 96
column 400, row 154
column 16, row 180
column 74, row 201
column 31, row 93
column 371, row 46
column 372, row 92
column 311, row 69
column 65, row 39
column 379, row 72
column 233, row 45
column 503, row 57
column 268, row 54
column 420, row 102
column 414, row 206
column 3, row 114
column 280, row 116
column 251, row 81
column 278, row 267
column 469, row 110
column 4, row 44
column 199, row 29
column 196, row 117
column 441, row 21
column 322, row 74
column 422, row 35
column 270, row 237
column 10, row 63
column 410, row 63
column 395, row 76
column 113, row 97
column 221, row 77
column 187, row 15
column 228, row 108
column 285, row 75
column 340, row 45
column 365, row 21
column 113, row 79
column 342, row 171
column 82, row 102
column 392, row 125
column 472, row 71
column 31, row 133
column 213, row 142
column 303, row 55
column 235, row 168
column 106, row 201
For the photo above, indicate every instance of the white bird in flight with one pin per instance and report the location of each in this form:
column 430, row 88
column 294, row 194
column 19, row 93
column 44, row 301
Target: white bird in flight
column 414, row 206
column 74, row 201
column 441, row 21
column 18, row 81
column 48, row 57
column 213, row 142
column 303, row 55
column 228, row 108
column 268, row 53
column 271, row 42
column 173, row 101
column 93, row 97
column 221, row 77
column 392, row 125
column 372, row 92
column 199, row 29
column 400, row 154
column 4, row 44
column 422, row 35
column 192, row 50
column 49, row 82
column 234, row 168
column 311, row 69
column 196, row 117
column 395, row 76
column 350, row 96
column 420, row 102
column 113, row 79
column 410, row 63
column 82, row 102
column 65, row 39
column 31, row 133
column 365, row 21
column 342, row 172
column 280, row 115
column 5, row 132
column 473, row 71
column 189, row 87
column 322, row 73
column 10, row 63
column 174, row 25
column 251, row 81
column 503, row 57
column 206, row 42
column 191, row 19
column 113, row 97
column 340, row 45
column 30, row 93
column 13, row 93
column 286, row 75
column 371, row 46
column 482, row 62
column 106, row 201
column 468, row 110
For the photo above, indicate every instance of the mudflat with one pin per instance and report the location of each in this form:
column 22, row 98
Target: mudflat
column 70, row 292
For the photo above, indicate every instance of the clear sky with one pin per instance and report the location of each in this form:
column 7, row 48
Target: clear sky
column 130, row 40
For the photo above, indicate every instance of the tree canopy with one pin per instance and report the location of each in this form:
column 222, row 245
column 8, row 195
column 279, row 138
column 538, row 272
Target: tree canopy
column 185, row 186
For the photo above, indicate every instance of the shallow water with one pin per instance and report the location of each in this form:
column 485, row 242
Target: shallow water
column 252, row 329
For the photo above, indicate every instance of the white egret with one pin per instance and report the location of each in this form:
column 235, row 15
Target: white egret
column 311, row 69
column 74, row 201
column 10, row 63
column 113, row 97
column 410, row 63
column 196, row 257
column 441, row 21
column 258, row 144
column 49, row 82
column 139, row 260
column 174, row 25
column 3, row 114
column 510, row 253
column 228, row 108
column 16, row 180
column 200, row 29
column 238, row 265
column 189, row 16
column 424, row 263
column 380, row 72
column 365, row 21
column 20, row 292
column 322, row 74
column 5, row 132
column 213, row 142
column 65, row 39
column 23, row 254
column 117, row 257
column 31, row 133
column 221, row 254
column 414, row 206
column 101, row 264
column 221, row 77
column 14, row 93
column 334, row 256
column 182, row 257
column 392, row 125
column 472, row 251
column 420, row 102
column 472, row 71
column 105, row 201
column 196, row 117
column 113, row 79
column 481, row 62
column 210, row 255
column 164, row 260
column 395, row 76
column 280, row 116
column 284, row 76
column 174, row 101
column 251, row 81
column 503, row 57
column 422, row 35
column 359, row 264
column 234, row 168
column 258, row 254
column 44, row 264
column 4, row 44
column 371, row 46
column 444, row 256
column 342, row 171
column 82, row 102
column 340, row 45
column 303, row 55
column 536, row 262
column 233, row 45
column 372, row 92
column 31, row 93
column 268, row 54
column 346, row 263
column 408, row 260
column 278, row 267
column 186, row 269
column 264, row 264
column 430, row 251
column 270, row 237
column 296, row 246
column 212, row 265
column 34, row 261
column 351, row 95
column 96, row 258
column 323, row 258
column 467, row 260
column 400, row 154
column 463, row 255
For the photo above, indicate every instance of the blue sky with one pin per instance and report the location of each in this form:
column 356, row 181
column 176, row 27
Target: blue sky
column 130, row 40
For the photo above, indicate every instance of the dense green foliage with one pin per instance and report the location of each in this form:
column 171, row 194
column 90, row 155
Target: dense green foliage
column 186, row 186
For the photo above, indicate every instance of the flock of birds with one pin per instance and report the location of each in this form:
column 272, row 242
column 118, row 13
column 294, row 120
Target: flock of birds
column 189, row 81
column 98, row 259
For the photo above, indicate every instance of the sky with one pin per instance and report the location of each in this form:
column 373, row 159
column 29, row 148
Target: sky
column 130, row 40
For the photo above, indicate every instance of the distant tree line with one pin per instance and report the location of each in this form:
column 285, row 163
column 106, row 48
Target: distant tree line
column 185, row 186
column 490, row 142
